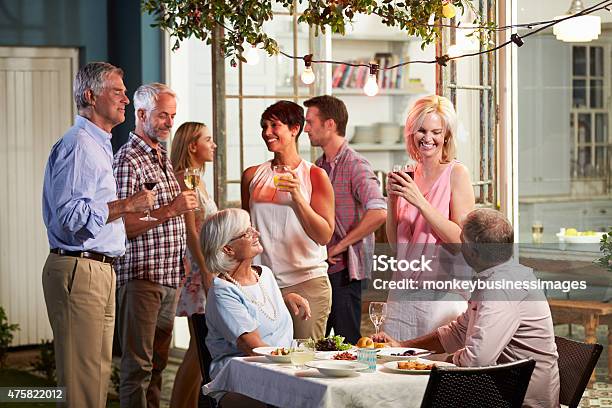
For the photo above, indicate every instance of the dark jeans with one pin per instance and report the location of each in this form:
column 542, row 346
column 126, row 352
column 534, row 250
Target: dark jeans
column 345, row 316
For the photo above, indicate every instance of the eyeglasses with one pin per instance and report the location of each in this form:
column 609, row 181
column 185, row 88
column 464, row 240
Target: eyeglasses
column 249, row 234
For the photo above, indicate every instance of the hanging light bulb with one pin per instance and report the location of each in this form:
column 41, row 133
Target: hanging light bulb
column 577, row 29
column 308, row 75
column 252, row 55
column 448, row 10
column 371, row 86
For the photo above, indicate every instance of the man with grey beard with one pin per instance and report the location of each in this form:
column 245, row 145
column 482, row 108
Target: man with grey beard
column 152, row 268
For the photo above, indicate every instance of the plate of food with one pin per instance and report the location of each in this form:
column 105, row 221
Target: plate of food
column 343, row 356
column 333, row 368
column 402, row 353
column 274, row 354
column 326, row 347
column 418, row 366
column 573, row 236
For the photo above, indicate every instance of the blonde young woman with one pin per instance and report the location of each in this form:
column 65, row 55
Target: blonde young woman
column 426, row 212
column 295, row 216
column 192, row 147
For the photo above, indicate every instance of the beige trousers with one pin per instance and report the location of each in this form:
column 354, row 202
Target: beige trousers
column 318, row 293
column 80, row 298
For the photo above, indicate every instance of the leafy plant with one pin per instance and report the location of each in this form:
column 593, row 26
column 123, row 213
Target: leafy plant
column 243, row 20
column 606, row 250
column 45, row 363
column 6, row 335
column 115, row 378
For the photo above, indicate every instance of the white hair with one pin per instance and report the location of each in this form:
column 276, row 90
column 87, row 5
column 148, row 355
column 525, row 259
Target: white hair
column 146, row 96
column 217, row 231
column 92, row 76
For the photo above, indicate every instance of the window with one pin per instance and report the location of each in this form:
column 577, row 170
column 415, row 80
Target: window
column 589, row 140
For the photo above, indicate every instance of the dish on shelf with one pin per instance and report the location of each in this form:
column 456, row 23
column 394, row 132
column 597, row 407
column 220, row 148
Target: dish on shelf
column 364, row 134
column 388, row 133
column 571, row 236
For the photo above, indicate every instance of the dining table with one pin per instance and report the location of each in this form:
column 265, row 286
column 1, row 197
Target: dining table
column 282, row 385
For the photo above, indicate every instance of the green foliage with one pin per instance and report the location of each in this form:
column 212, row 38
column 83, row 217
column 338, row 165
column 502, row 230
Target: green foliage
column 606, row 250
column 6, row 335
column 243, row 19
column 45, row 363
column 115, row 378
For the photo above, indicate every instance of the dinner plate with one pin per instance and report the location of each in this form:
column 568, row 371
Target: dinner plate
column 326, row 355
column 333, row 353
column 386, row 353
column 267, row 352
column 392, row 365
column 336, row 368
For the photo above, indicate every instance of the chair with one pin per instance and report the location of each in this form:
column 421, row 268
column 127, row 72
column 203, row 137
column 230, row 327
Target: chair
column 576, row 363
column 200, row 330
column 500, row 386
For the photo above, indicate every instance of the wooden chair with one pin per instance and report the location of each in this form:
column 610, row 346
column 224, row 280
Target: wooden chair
column 500, row 386
column 577, row 361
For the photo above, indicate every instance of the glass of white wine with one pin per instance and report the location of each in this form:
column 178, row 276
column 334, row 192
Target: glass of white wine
column 192, row 180
column 378, row 312
column 301, row 352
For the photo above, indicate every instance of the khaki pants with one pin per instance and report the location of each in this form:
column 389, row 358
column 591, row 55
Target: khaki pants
column 80, row 298
column 318, row 293
column 145, row 319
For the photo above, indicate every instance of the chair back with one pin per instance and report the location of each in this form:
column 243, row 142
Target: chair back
column 577, row 361
column 200, row 330
column 500, row 386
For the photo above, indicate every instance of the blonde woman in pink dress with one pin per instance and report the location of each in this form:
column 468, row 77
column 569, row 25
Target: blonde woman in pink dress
column 424, row 213
column 192, row 147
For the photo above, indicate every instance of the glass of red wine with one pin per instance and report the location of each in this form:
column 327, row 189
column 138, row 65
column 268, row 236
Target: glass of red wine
column 150, row 181
column 406, row 168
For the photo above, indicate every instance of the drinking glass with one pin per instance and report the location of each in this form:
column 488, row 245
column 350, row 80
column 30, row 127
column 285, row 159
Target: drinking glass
column 151, row 179
column 281, row 172
column 378, row 312
column 301, row 352
column 406, row 168
column 192, row 180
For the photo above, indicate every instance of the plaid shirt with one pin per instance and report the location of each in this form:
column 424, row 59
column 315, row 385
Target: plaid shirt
column 357, row 190
column 156, row 255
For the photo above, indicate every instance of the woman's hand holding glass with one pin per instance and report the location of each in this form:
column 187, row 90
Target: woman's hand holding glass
column 400, row 183
column 286, row 180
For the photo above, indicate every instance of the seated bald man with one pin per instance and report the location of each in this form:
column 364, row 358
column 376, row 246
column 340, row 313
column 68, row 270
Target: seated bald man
column 499, row 325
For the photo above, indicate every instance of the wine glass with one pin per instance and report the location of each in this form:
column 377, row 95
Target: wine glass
column 378, row 312
column 301, row 351
column 150, row 181
column 192, row 180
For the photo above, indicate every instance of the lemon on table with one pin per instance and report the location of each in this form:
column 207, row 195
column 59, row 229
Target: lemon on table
column 571, row 232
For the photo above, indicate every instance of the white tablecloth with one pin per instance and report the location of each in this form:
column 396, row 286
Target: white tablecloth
column 283, row 386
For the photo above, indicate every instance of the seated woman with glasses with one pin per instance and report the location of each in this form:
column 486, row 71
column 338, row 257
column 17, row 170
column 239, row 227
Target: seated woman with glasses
column 245, row 308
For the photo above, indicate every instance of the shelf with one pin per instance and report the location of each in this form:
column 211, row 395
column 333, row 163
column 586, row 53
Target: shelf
column 383, row 92
column 377, row 147
column 400, row 37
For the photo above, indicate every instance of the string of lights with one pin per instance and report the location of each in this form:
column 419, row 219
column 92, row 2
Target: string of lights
column 371, row 88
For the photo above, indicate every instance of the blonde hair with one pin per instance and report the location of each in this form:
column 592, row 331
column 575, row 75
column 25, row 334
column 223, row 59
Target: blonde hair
column 446, row 111
column 186, row 134
column 217, row 231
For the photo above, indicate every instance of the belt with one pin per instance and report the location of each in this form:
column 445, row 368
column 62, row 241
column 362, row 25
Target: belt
column 85, row 254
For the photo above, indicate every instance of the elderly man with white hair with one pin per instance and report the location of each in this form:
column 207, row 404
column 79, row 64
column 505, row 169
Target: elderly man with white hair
column 499, row 325
column 151, row 270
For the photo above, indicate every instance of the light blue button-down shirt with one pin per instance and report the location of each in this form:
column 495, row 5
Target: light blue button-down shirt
column 78, row 186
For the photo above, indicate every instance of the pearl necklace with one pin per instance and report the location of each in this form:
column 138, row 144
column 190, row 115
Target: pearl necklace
column 260, row 305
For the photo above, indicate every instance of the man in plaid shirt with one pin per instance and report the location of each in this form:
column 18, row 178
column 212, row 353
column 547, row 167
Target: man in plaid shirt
column 152, row 268
column 360, row 210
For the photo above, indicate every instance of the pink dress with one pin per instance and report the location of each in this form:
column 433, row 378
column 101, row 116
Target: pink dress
column 414, row 313
column 193, row 299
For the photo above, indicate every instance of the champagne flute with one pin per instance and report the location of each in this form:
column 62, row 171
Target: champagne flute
column 301, row 352
column 378, row 312
column 150, row 181
column 192, row 180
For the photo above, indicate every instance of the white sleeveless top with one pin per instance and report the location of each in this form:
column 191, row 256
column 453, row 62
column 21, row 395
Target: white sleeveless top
column 289, row 252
